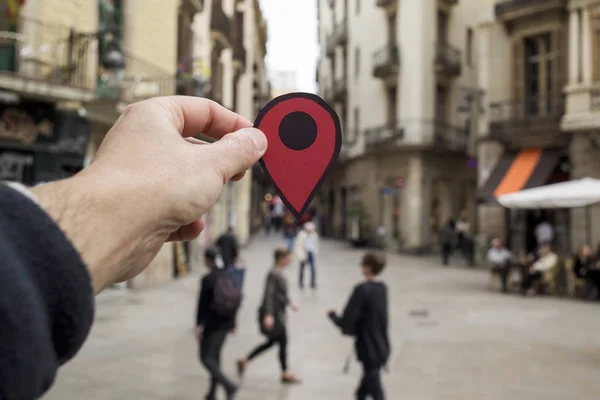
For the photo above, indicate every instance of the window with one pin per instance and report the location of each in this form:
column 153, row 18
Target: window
column 442, row 27
column 356, row 121
column 392, row 28
column 596, row 42
column 357, row 6
column 469, row 47
column 392, row 102
column 539, row 59
column 356, row 62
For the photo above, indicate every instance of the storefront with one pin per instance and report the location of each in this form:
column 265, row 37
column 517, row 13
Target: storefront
column 39, row 143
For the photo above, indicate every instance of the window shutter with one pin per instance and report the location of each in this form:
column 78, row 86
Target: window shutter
column 559, row 48
column 518, row 107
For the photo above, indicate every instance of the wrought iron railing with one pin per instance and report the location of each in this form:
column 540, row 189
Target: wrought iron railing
column 341, row 32
column 48, row 52
column 140, row 80
column 190, row 80
column 386, row 61
column 506, row 6
column 595, row 100
column 384, row 3
column 219, row 21
column 330, row 45
column 432, row 134
column 448, row 57
column 339, row 88
column 534, row 116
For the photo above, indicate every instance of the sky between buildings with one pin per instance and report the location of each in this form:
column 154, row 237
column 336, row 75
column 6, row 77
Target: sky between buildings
column 293, row 44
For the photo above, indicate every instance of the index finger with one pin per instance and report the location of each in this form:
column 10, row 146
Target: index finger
column 195, row 115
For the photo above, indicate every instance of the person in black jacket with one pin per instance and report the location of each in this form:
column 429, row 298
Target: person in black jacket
column 366, row 318
column 212, row 330
column 229, row 247
column 65, row 241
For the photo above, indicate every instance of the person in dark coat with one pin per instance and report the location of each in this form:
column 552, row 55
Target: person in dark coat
column 212, row 329
column 228, row 245
column 366, row 318
column 448, row 240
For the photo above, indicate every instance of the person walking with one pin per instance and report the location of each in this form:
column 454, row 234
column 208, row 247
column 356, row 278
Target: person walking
column 218, row 303
column 272, row 317
column 289, row 230
column 306, row 250
column 366, row 318
column 448, row 240
column 228, row 245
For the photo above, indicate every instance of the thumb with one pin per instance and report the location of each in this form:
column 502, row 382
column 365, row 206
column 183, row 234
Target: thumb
column 237, row 152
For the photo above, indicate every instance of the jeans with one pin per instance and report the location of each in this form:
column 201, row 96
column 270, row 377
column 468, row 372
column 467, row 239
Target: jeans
column 282, row 341
column 370, row 385
column 310, row 259
column 503, row 270
column 289, row 240
column 210, row 355
column 446, row 252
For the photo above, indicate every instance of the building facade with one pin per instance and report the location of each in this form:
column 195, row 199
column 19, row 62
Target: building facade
column 69, row 68
column 401, row 75
column 536, row 69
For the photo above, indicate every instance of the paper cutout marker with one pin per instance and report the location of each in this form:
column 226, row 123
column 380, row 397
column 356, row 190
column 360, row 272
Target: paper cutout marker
column 305, row 137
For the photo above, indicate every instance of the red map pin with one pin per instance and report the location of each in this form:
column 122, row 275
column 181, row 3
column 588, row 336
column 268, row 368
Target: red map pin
column 305, row 137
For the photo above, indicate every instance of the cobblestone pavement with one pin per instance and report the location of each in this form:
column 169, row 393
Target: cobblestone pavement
column 453, row 339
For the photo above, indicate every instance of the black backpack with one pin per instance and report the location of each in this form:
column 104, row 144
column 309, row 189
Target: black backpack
column 227, row 295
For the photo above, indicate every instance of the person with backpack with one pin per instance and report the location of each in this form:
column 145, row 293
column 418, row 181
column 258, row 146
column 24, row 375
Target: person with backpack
column 218, row 303
column 366, row 318
column 272, row 317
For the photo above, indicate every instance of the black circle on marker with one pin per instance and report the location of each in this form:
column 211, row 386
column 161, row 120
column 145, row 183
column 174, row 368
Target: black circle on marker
column 298, row 130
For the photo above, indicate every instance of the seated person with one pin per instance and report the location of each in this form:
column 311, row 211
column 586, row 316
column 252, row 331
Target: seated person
column 546, row 261
column 585, row 268
column 499, row 258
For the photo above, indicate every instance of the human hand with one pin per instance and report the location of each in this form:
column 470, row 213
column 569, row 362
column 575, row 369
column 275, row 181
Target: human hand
column 150, row 182
column 232, row 331
column 294, row 306
column 269, row 322
column 331, row 312
column 198, row 333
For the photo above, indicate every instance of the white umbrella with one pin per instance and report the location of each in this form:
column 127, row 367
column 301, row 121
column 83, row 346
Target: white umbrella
column 570, row 194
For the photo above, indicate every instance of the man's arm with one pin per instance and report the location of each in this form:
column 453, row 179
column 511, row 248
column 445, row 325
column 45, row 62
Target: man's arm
column 270, row 293
column 46, row 298
column 352, row 313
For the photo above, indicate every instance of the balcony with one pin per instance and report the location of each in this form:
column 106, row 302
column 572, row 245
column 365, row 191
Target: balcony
column 389, row 5
column 583, row 109
column 417, row 135
column 520, row 124
column 511, row 10
column 386, row 63
column 191, row 82
column 48, row 61
column 447, row 60
column 341, row 33
column 192, row 6
column 220, row 24
column 340, row 90
column 139, row 81
column 446, row 4
column 330, row 45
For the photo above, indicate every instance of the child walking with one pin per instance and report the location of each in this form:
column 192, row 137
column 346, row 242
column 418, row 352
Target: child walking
column 366, row 318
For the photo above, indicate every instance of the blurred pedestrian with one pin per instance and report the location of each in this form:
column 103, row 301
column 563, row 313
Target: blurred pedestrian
column 306, row 249
column 218, row 304
column 289, row 230
column 366, row 319
column 228, row 245
column 272, row 317
column 448, row 240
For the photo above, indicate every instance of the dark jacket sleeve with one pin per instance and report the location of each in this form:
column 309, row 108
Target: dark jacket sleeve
column 352, row 312
column 204, row 300
column 46, row 298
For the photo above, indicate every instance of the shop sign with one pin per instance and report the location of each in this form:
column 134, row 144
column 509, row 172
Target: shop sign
column 19, row 125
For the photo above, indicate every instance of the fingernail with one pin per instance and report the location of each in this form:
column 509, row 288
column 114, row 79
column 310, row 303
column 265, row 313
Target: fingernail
column 259, row 139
